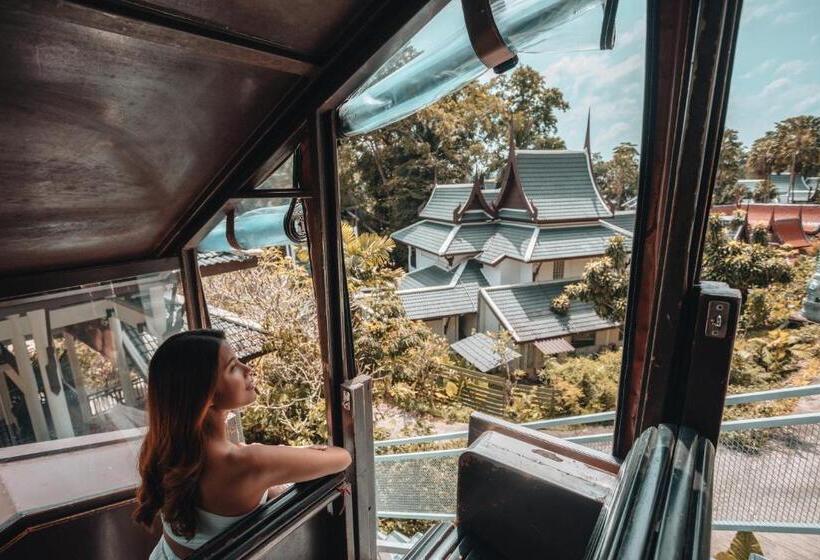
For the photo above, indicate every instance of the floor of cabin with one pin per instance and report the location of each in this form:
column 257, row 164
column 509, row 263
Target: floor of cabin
column 776, row 546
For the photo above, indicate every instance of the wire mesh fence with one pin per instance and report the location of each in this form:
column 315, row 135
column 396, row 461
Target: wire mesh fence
column 763, row 476
column 769, row 475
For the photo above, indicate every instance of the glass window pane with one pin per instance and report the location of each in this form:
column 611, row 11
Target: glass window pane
column 281, row 178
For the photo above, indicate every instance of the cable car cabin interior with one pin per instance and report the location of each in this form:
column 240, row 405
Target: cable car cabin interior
column 136, row 132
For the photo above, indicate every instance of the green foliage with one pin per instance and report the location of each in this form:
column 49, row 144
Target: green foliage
column 604, row 284
column 759, row 235
column 618, row 178
column 756, row 310
column 730, row 169
column 583, row 384
column 383, row 174
column 742, row 265
column 765, row 191
column 743, row 545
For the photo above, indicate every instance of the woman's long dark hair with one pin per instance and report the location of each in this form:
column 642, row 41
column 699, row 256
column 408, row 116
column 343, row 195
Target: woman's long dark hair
column 181, row 382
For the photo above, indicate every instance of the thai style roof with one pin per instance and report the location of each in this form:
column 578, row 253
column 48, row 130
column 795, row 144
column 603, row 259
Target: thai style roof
column 470, row 238
column 557, row 183
column 623, row 220
column 524, row 310
column 783, row 180
column 432, row 303
column 435, row 292
column 507, row 241
column 564, row 243
column 425, row 235
column 481, row 350
column 246, row 337
column 427, row 277
column 445, row 200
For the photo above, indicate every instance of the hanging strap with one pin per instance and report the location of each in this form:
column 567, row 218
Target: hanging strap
column 487, row 42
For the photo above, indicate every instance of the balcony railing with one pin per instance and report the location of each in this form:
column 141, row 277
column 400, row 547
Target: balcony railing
column 766, row 469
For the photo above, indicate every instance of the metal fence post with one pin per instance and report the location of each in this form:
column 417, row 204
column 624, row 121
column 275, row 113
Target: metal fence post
column 357, row 417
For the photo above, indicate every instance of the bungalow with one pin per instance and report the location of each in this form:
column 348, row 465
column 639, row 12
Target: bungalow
column 483, row 258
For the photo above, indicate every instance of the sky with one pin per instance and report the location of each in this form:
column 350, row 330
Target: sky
column 776, row 74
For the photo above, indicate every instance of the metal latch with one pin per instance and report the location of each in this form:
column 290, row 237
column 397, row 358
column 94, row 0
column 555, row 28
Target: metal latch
column 717, row 319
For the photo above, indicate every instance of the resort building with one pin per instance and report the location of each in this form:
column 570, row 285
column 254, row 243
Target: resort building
column 489, row 257
column 803, row 187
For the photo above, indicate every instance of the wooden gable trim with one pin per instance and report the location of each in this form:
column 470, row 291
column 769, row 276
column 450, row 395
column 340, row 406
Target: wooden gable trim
column 475, row 201
column 512, row 193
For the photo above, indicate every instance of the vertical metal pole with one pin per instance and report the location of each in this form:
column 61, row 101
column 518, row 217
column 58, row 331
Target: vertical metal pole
column 77, row 372
column 121, row 364
column 357, row 404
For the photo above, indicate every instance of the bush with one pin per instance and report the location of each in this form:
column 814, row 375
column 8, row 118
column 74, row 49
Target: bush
column 756, row 310
column 583, row 384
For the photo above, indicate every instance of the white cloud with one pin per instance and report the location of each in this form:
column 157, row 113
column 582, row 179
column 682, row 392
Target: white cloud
column 815, row 39
column 760, row 10
column 792, row 68
column 788, row 17
column 762, row 68
column 774, row 87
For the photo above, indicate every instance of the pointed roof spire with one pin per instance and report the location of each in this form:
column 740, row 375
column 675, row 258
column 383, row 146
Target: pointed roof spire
column 511, row 140
column 587, row 147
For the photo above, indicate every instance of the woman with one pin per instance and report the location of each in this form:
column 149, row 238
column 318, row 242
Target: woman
column 192, row 475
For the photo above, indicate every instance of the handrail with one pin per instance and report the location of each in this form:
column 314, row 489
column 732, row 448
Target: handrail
column 728, row 426
column 609, row 416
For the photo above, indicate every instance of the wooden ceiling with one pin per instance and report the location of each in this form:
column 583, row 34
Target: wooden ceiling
column 116, row 116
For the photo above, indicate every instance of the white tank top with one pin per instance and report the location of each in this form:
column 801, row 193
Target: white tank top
column 208, row 525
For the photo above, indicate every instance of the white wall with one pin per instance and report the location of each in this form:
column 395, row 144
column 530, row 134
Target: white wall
column 573, row 269
column 508, row 271
column 487, row 321
column 425, row 259
column 438, row 327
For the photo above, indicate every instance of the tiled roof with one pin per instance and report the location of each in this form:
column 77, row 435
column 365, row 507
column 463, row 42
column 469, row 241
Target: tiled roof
column 431, row 303
column 427, row 277
column 782, row 181
column 470, row 239
column 559, row 185
column 246, row 337
column 623, row 220
column 444, row 200
column 480, row 350
column 507, row 241
column 552, row 346
column 471, row 274
column 426, row 235
column 563, row 243
column 525, row 311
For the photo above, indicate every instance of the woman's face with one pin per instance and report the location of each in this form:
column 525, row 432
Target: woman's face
column 235, row 384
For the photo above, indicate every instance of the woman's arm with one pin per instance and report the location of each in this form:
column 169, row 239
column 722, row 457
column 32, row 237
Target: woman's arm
column 278, row 464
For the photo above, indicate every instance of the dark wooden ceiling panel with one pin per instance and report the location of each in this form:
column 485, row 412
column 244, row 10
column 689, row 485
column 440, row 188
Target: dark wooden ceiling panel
column 105, row 140
column 307, row 26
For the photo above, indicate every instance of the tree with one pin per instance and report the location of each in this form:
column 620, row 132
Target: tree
column 793, row 146
column 384, row 173
column 604, row 284
column 765, row 191
column 730, row 170
column 742, row 265
column 618, row 177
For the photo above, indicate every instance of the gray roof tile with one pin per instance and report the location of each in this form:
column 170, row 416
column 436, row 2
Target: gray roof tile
column 426, row 235
column 480, row 350
column 525, row 310
column 624, row 220
column 559, row 184
column 440, row 302
column 471, row 239
column 563, row 243
column 507, row 241
column 427, row 277
column 444, row 200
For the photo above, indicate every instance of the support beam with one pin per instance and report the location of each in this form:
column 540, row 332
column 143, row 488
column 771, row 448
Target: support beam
column 121, row 364
column 690, row 48
column 5, row 398
column 50, row 374
column 31, row 394
column 77, row 373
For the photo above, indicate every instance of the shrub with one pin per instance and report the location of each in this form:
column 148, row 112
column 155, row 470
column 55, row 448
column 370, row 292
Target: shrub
column 583, row 384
